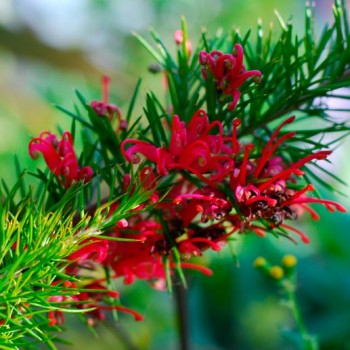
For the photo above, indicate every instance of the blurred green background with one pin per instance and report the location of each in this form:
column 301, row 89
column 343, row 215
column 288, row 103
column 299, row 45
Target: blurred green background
column 50, row 48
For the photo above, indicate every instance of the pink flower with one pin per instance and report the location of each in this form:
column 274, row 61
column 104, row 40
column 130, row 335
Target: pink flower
column 60, row 157
column 228, row 71
column 104, row 108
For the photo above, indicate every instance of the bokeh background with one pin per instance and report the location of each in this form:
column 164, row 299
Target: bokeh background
column 50, row 48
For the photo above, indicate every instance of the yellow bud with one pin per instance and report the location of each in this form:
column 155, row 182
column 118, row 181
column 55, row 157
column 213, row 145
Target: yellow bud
column 259, row 262
column 289, row 261
column 276, row 272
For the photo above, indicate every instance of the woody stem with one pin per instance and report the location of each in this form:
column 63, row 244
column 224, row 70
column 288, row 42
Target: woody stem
column 180, row 294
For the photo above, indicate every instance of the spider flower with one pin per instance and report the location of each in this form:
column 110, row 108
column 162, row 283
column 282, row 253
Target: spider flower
column 192, row 147
column 228, row 72
column 264, row 187
column 60, row 157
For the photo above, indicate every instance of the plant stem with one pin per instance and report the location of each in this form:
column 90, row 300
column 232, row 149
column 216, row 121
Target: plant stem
column 116, row 329
column 309, row 342
column 182, row 316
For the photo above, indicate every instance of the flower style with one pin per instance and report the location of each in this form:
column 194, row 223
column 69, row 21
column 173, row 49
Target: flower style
column 60, row 157
column 228, row 72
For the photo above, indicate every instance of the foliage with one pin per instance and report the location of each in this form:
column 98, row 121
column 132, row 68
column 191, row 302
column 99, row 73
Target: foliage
column 223, row 156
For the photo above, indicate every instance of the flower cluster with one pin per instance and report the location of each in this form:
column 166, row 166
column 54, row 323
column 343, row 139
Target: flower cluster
column 258, row 184
column 207, row 185
column 60, row 157
column 228, row 72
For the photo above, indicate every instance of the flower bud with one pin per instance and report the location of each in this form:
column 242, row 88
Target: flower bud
column 276, row 272
column 259, row 262
column 289, row 261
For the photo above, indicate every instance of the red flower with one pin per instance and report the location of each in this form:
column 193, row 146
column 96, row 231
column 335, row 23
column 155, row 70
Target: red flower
column 264, row 187
column 95, row 249
column 104, row 108
column 60, row 157
column 193, row 148
column 212, row 204
column 99, row 297
column 135, row 259
column 228, row 71
column 57, row 316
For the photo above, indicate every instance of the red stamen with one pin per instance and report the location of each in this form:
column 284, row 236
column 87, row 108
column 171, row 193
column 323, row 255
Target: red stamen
column 137, row 316
column 234, row 142
column 243, row 168
column 313, row 213
column 327, row 203
column 319, row 155
column 204, row 270
column 281, row 176
column 308, row 187
column 269, row 145
column 258, row 231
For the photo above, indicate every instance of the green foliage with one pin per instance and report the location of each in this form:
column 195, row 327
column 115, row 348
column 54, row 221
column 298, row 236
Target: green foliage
column 35, row 242
column 42, row 223
column 298, row 72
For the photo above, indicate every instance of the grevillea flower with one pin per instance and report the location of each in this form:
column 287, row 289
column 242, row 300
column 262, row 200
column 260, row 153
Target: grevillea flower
column 192, row 147
column 261, row 185
column 104, row 108
column 212, row 204
column 57, row 316
column 94, row 249
column 228, row 72
column 95, row 296
column 60, row 157
column 98, row 297
column 134, row 259
column 140, row 252
column 264, row 187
